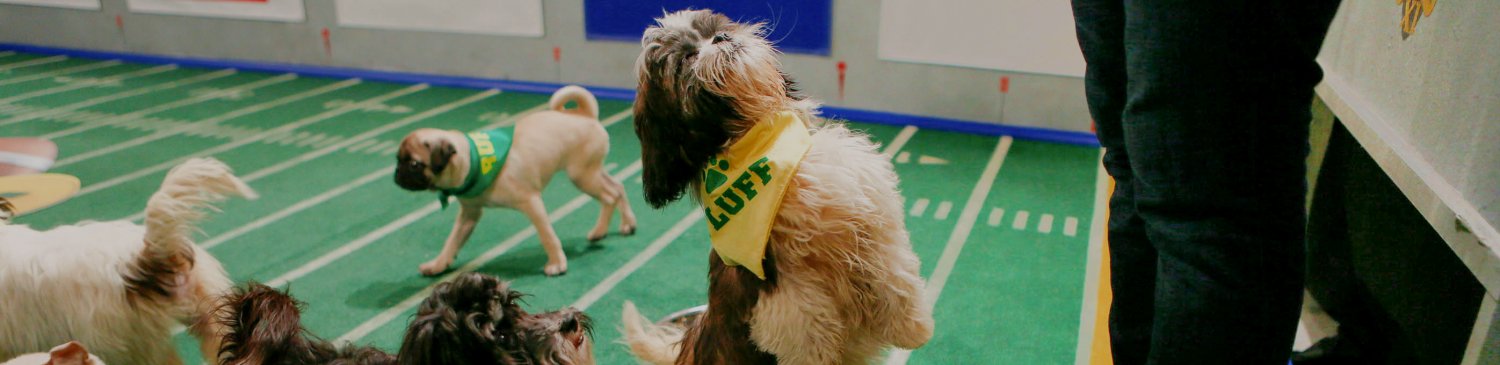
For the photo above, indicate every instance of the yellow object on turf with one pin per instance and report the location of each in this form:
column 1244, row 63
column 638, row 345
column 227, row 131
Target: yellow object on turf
column 743, row 187
column 30, row 193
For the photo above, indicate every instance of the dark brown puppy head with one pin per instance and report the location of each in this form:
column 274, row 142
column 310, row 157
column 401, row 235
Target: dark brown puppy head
column 703, row 81
column 264, row 327
column 423, row 156
column 475, row 320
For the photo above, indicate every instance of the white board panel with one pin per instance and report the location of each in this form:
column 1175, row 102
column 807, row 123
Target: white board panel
column 521, row 18
column 274, row 10
column 1034, row 36
column 70, row 4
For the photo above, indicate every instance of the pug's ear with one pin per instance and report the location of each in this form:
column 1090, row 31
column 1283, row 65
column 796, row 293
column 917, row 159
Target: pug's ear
column 441, row 153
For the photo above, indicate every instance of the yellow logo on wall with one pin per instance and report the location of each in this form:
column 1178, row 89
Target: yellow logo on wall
column 30, row 193
column 1411, row 12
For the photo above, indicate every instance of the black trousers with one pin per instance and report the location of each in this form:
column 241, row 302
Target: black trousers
column 1203, row 108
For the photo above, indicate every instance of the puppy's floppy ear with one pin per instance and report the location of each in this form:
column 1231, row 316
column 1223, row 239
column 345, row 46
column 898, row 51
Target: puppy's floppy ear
column 441, row 153
column 680, row 128
column 264, row 326
column 438, row 336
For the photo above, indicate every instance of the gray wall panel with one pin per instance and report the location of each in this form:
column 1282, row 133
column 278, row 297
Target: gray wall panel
column 1051, row 102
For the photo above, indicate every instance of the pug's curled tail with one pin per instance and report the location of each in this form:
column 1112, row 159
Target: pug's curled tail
column 586, row 102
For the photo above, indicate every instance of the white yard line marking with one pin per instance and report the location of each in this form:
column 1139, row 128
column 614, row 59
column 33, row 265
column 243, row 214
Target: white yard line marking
column 306, row 142
column 79, row 85
column 39, row 61
column 1020, row 222
column 942, row 210
column 354, row 245
column 243, row 141
column 1070, row 226
column 410, row 302
column 900, row 141
column 995, row 215
column 639, row 260
column 288, row 211
column 369, row 134
column 616, row 118
column 379, row 146
column 331, row 140
column 1087, row 318
column 929, row 160
column 201, row 123
column 903, row 157
column 919, row 207
column 960, row 236
column 1045, row 224
column 610, row 166
column 80, row 68
column 358, row 146
column 295, row 208
column 513, row 119
column 50, row 112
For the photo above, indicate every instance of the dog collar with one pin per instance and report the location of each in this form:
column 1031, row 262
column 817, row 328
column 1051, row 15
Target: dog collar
column 743, row 188
column 487, row 152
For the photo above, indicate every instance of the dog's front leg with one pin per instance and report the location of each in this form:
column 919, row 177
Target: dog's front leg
column 536, row 211
column 468, row 217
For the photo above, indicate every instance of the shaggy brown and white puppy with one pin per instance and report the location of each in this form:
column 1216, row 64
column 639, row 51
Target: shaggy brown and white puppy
column 117, row 287
column 543, row 143
column 264, row 327
column 841, row 280
column 475, row 320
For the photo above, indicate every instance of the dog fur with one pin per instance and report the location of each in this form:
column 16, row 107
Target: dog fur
column 571, row 140
column 475, row 319
column 264, row 327
column 842, row 282
column 118, row 287
column 472, row 320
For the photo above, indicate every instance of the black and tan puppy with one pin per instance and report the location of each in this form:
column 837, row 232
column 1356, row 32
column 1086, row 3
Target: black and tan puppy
column 542, row 144
column 472, row 320
column 475, row 320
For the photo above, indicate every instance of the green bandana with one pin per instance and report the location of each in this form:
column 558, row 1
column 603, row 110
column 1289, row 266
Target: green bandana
column 487, row 151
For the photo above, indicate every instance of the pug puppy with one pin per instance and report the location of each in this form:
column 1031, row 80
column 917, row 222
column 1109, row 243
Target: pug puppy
column 543, row 143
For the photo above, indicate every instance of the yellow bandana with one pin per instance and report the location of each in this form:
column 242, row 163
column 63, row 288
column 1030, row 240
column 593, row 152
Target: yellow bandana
column 741, row 209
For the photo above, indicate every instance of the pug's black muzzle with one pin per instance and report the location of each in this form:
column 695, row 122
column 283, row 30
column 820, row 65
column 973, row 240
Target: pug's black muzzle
column 412, row 179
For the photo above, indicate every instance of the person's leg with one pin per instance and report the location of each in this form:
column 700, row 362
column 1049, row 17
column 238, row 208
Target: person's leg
column 1101, row 35
column 1216, row 125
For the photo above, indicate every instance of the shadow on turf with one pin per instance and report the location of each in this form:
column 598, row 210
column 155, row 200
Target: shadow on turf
column 522, row 263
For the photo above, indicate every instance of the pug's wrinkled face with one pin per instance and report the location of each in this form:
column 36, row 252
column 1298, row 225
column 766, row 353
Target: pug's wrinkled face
column 422, row 158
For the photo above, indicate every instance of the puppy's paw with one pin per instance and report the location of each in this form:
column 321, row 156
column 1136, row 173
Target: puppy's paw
column 434, row 267
column 595, row 236
column 556, row 268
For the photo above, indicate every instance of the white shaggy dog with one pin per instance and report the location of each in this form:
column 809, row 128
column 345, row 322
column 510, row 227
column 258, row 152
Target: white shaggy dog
column 117, row 287
column 839, row 281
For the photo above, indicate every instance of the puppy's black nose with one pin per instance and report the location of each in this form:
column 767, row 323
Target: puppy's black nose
column 721, row 37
